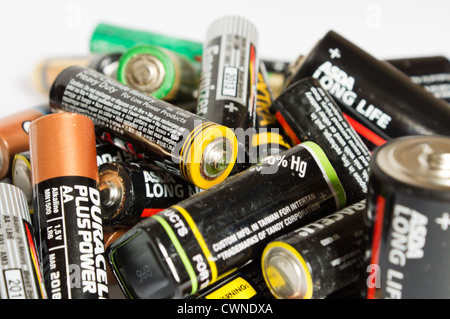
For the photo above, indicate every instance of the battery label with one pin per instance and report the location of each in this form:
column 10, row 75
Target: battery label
column 125, row 111
column 437, row 84
column 72, row 238
column 239, row 288
column 411, row 253
column 216, row 249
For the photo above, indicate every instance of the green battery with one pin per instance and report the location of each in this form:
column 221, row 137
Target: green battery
column 108, row 38
column 159, row 72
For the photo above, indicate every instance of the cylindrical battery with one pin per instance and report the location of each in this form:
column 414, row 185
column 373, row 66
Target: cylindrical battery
column 244, row 283
column 159, row 72
column 268, row 138
column 108, row 153
column 21, row 273
column 185, row 248
column 200, row 151
column 109, row 38
column 229, row 75
column 130, row 192
column 380, row 101
column 106, row 64
column 21, row 176
column 14, row 135
column 67, row 205
column 407, row 222
column 433, row 73
column 308, row 113
column 319, row 259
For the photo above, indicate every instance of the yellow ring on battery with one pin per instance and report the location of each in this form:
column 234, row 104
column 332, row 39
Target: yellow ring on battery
column 200, row 240
column 269, row 138
column 309, row 289
column 192, row 155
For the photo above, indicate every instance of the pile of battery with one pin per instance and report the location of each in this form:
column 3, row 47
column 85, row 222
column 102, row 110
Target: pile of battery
column 170, row 169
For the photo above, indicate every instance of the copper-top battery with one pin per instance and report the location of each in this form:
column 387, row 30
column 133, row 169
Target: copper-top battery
column 14, row 136
column 54, row 155
column 66, row 204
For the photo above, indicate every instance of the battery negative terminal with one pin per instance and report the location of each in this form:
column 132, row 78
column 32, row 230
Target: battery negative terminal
column 111, row 190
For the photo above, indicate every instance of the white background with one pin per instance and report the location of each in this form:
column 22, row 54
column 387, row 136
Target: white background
column 35, row 30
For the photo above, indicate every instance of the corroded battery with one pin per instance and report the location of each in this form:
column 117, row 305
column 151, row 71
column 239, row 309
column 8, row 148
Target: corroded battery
column 379, row 101
column 201, row 151
column 20, row 270
column 407, row 222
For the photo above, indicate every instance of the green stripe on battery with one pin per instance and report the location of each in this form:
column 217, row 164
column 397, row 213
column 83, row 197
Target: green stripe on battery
column 329, row 171
column 180, row 251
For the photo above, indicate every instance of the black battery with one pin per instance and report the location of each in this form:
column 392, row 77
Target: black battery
column 130, row 192
column 307, row 112
column 320, row 259
column 431, row 72
column 407, row 221
column 187, row 247
column 174, row 139
column 380, row 101
column 106, row 64
column 244, row 283
column 229, row 74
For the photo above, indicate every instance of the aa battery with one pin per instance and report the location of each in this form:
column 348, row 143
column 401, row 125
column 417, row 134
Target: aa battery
column 229, row 74
column 407, row 222
column 161, row 73
column 244, row 283
column 433, row 73
column 108, row 153
column 319, row 259
column 188, row 246
column 14, row 135
column 67, row 204
column 200, row 151
column 268, row 138
column 380, row 101
column 109, row 38
column 21, row 273
column 106, row 64
column 130, row 192
column 308, row 113
column 21, row 176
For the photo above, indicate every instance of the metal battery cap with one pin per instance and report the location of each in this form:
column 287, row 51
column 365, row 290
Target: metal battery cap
column 285, row 272
column 421, row 161
column 111, row 187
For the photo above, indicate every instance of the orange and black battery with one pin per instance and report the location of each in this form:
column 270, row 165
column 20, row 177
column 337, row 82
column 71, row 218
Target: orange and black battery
column 431, row 72
column 201, row 151
column 229, row 75
column 67, row 206
column 380, row 101
column 131, row 192
column 14, row 135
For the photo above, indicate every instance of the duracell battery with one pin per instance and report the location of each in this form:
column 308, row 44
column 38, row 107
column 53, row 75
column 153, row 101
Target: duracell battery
column 188, row 246
column 431, row 72
column 229, row 75
column 14, row 135
column 21, row 271
column 320, row 259
column 307, row 112
column 131, row 192
column 200, row 151
column 67, row 206
column 379, row 101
